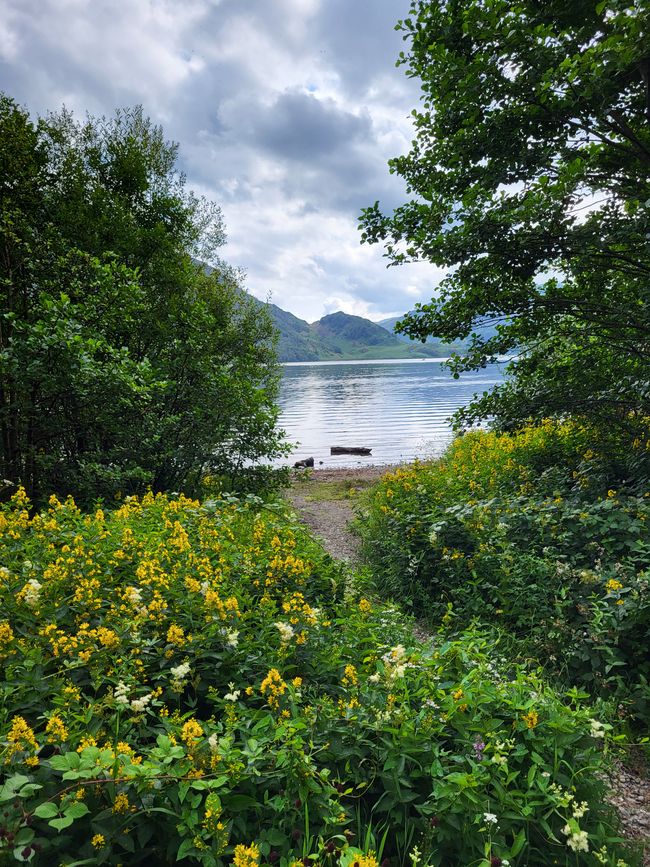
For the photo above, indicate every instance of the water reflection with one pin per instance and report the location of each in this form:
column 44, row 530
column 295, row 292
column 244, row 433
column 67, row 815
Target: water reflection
column 398, row 409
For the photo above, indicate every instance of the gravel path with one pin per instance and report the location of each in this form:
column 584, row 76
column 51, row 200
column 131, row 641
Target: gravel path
column 329, row 516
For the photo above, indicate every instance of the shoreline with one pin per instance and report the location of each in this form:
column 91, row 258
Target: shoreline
column 333, row 474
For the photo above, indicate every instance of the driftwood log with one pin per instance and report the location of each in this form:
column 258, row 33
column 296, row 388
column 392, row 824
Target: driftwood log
column 352, row 450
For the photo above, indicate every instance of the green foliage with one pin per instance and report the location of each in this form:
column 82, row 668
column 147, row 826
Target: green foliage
column 194, row 683
column 522, row 530
column 123, row 364
column 529, row 181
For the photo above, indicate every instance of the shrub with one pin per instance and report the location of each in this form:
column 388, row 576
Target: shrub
column 191, row 683
column 523, row 530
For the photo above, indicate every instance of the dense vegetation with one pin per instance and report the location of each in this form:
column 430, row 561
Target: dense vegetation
column 543, row 532
column 123, row 363
column 196, row 684
column 529, row 176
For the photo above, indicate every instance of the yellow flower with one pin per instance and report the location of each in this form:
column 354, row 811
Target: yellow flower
column 191, row 731
column 6, row 633
column 98, row 841
column 246, row 856
column 121, row 803
column 56, row 730
column 175, row 635
column 613, row 585
column 531, row 719
column 20, row 736
column 368, row 860
column 350, row 676
column 364, row 606
column 274, row 686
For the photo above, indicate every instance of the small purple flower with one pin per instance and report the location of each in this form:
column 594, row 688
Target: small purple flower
column 478, row 747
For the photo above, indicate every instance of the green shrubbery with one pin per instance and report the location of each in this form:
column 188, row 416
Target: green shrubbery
column 543, row 532
column 124, row 364
column 201, row 684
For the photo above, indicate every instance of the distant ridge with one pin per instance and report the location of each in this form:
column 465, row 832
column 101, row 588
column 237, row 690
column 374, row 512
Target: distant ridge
column 341, row 336
column 440, row 348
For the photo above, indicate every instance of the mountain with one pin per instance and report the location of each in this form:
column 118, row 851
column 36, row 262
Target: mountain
column 340, row 336
column 441, row 348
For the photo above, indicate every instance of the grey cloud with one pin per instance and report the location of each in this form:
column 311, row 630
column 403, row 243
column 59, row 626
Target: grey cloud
column 301, row 127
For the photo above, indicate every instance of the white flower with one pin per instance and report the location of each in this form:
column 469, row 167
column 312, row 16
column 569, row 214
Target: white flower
column 580, row 809
column 374, row 678
column 232, row 637
column 120, row 693
column 597, row 729
column 140, row 704
column 578, row 841
column 490, row 818
column 234, row 694
column 395, row 655
column 133, row 595
column 415, row 856
column 213, row 741
column 180, row 671
column 286, row 631
column 32, row 592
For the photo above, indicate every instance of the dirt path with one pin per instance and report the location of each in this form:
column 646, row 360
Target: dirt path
column 325, row 501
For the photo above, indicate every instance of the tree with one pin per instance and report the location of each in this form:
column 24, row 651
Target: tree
column 123, row 363
column 530, row 181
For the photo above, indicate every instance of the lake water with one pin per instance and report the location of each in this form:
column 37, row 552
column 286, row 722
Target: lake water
column 399, row 409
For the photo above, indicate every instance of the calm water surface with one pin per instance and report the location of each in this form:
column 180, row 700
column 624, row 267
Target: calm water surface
column 399, row 409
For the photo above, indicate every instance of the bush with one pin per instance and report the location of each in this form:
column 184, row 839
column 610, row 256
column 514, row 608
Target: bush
column 193, row 683
column 522, row 530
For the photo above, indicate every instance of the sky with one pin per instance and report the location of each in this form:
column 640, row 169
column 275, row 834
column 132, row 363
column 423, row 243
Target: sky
column 286, row 113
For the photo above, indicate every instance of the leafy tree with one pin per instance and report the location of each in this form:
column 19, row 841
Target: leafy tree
column 123, row 363
column 529, row 177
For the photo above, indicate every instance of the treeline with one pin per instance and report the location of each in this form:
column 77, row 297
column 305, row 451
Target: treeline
column 124, row 364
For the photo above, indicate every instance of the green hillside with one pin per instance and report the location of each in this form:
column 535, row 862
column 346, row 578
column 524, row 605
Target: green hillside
column 340, row 336
column 439, row 347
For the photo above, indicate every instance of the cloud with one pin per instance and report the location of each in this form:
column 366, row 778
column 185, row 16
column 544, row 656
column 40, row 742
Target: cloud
column 286, row 113
column 299, row 126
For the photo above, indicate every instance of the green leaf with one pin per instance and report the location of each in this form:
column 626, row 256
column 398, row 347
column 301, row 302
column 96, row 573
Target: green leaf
column 46, row 810
column 60, row 824
column 519, row 843
column 186, row 848
column 10, row 789
column 76, row 810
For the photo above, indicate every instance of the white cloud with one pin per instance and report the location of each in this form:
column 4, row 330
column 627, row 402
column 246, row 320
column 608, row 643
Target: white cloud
column 285, row 113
